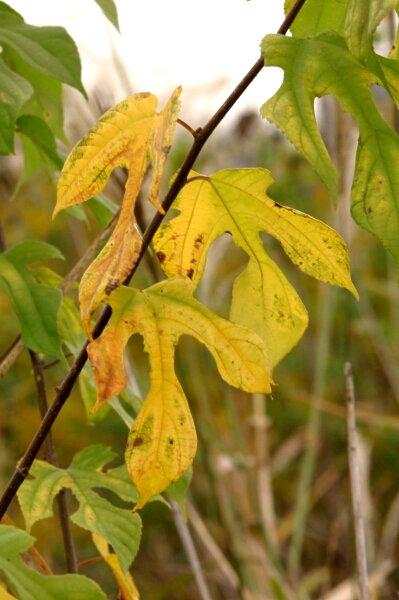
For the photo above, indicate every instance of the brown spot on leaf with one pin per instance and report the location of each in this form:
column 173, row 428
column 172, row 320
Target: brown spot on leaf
column 198, row 241
column 161, row 257
column 137, row 442
column 190, row 273
column 111, row 285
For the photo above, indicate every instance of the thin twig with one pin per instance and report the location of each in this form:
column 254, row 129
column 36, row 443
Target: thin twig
column 67, row 384
column 10, row 355
column 51, row 457
column 191, row 552
column 188, row 128
column 360, row 536
column 211, row 546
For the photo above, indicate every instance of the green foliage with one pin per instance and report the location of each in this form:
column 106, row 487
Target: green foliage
column 36, row 305
column 331, row 69
column 31, row 585
column 35, row 62
column 15, row 91
column 40, row 134
column 119, row 526
column 317, row 16
column 110, row 11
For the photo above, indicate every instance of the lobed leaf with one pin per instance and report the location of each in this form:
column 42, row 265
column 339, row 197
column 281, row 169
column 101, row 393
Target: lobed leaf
column 162, row 441
column 235, row 200
column 331, row 69
column 31, row 585
column 362, row 19
column 123, row 137
column 318, row 16
column 118, row 526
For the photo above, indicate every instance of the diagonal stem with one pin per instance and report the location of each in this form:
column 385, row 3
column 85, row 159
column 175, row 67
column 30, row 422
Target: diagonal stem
column 51, row 457
column 64, row 390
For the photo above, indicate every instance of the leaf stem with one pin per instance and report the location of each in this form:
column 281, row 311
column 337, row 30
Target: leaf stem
column 194, row 132
column 67, row 384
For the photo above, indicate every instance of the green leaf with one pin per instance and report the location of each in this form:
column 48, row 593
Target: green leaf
column 30, row 251
column 119, row 526
column 331, row 69
column 35, row 305
column 41, row 135
column 178, row 490
column 50, row 50
column 235, row 200
column 318, row 16
column 14, row 92
column 8, row 13
column 362, row 19
column 355, row 20
column 31, row 585
column 46, row 101
column 110, row 11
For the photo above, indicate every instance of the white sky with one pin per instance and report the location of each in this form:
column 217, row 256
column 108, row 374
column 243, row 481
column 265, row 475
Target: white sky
column 204, row 45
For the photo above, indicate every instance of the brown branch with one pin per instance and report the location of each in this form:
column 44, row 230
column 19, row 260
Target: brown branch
column 51, row 457
column 67, row 384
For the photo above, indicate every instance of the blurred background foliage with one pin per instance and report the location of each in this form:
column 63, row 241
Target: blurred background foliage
column 270, row 488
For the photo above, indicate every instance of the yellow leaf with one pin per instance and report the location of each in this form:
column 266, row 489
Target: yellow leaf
column 4, row 595
column 125, row 581
column 162, row 143
column 235, row 200
column 107, row 146
column 162, row 442
column 125, row 136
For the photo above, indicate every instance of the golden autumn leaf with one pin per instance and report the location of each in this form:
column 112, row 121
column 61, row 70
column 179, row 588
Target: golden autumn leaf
column 128, row 135
column 235, row 200
column 127, row 587
column 162, row 442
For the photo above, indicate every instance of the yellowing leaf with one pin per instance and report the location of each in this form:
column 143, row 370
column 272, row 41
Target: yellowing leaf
column 162, row 143
column 234, row 200
column 162, row 442
column 125, row 136
column 125, row 581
